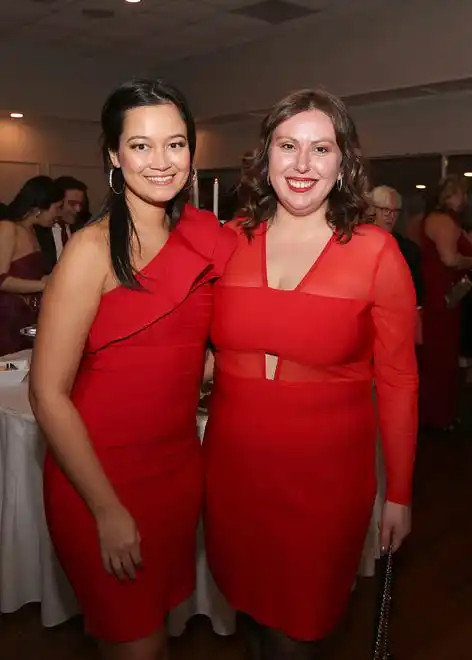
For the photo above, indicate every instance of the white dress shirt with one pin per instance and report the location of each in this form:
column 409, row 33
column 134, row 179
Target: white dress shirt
column 56, row 232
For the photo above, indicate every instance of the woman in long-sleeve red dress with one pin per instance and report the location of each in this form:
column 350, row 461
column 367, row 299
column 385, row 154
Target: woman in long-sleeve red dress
column 313, row 307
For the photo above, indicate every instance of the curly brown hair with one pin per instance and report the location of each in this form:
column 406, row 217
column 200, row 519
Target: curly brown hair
column 347, row 205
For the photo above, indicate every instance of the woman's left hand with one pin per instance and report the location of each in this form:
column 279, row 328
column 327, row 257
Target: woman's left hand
column 395, row 525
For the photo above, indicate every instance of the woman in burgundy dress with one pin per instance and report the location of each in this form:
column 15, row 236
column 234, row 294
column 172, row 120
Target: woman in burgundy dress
column 447, row 256
column 22, row 265
column 313, row 308
column 116, row 376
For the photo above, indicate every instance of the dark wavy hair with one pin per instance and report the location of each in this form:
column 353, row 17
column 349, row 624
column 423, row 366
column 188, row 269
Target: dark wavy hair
column 135, row 94
column 347, row 206
column 40, row 192
column 71, row 183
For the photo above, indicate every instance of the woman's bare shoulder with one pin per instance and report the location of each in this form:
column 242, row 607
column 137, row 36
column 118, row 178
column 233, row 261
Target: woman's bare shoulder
column 93, row 237
column 88, row 250
column 7, row 228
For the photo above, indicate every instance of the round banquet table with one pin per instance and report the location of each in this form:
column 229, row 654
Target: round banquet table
column 29, row 570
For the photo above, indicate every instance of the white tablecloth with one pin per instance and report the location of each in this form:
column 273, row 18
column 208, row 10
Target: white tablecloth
column 29, row 570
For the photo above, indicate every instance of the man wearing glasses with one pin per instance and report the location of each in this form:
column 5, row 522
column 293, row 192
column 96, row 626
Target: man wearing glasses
column 386, row 205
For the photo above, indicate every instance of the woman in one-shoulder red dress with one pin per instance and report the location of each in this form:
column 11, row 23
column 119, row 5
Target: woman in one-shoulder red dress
column 312, row 309
column 116, row 378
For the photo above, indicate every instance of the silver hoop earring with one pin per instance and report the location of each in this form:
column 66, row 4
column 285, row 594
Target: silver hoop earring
column 339, row 183
column 110, row 182
column 268, row 181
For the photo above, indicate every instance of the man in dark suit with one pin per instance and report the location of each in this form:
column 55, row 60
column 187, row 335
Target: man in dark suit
column 52, row 241
column 387, row 204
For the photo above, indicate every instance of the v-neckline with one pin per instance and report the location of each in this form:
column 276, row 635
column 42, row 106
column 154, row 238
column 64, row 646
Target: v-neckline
column 304, row 277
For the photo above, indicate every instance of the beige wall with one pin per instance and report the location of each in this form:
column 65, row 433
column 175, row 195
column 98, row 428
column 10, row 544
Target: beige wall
column 54, row 148
column 442, row 124
column 435, row 125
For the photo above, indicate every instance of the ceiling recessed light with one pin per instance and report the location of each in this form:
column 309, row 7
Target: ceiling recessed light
column 133, row 1
column 421, row 186
column 468, row 174
column 16, row 115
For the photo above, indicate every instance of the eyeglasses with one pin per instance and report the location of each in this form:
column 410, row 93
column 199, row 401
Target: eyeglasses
column 385, row 210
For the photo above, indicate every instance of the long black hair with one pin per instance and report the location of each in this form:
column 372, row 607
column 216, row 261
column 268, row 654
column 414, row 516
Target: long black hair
column 135, row 94
column 40, row 192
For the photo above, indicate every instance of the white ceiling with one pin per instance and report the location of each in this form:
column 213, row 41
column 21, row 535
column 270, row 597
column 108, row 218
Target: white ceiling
column 152, row 32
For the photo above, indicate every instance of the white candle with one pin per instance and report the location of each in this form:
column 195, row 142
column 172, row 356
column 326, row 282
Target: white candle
column 215, row 196
column 196, row 200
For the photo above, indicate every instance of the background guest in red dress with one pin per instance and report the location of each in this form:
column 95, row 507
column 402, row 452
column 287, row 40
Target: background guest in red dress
column 116, row 377
column 447, row 256
column 313, row 307
column 23, row 268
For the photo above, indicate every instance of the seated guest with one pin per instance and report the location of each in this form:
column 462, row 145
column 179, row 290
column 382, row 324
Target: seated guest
column 387, row 204
column 53, row 239
column 22, row 265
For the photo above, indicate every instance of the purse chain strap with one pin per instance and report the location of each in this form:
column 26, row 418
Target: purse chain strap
column 381, row 649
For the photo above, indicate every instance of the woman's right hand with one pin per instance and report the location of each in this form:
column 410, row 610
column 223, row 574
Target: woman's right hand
column 119, row 542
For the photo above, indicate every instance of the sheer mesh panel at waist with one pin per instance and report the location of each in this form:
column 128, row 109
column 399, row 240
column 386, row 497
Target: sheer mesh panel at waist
column 252, row 365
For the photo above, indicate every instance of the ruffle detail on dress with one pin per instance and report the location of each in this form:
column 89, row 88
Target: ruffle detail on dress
column 196, row 252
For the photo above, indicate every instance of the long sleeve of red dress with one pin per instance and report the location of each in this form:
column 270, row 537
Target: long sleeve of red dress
column 395, row 370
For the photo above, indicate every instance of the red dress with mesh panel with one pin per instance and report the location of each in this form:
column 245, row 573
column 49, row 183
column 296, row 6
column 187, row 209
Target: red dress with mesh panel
column 137, row 392
column 290, row 462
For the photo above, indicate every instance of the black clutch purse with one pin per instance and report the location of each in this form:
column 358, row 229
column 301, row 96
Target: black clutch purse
column 381, row 646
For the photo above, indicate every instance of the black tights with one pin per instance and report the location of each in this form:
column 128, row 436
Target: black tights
column 264, row 643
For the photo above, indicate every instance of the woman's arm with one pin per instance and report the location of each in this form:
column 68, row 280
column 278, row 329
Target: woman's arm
column 441, row 229
column 396, row 382
column 7, row 251
column 68, row 309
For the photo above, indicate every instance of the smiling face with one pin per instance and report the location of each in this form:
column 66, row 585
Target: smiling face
column 304, row 162
column 153, row 154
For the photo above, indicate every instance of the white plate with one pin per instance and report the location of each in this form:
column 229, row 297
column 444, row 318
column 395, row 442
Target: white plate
column 14, row 376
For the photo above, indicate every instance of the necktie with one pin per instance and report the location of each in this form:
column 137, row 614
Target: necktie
column 64, row 235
